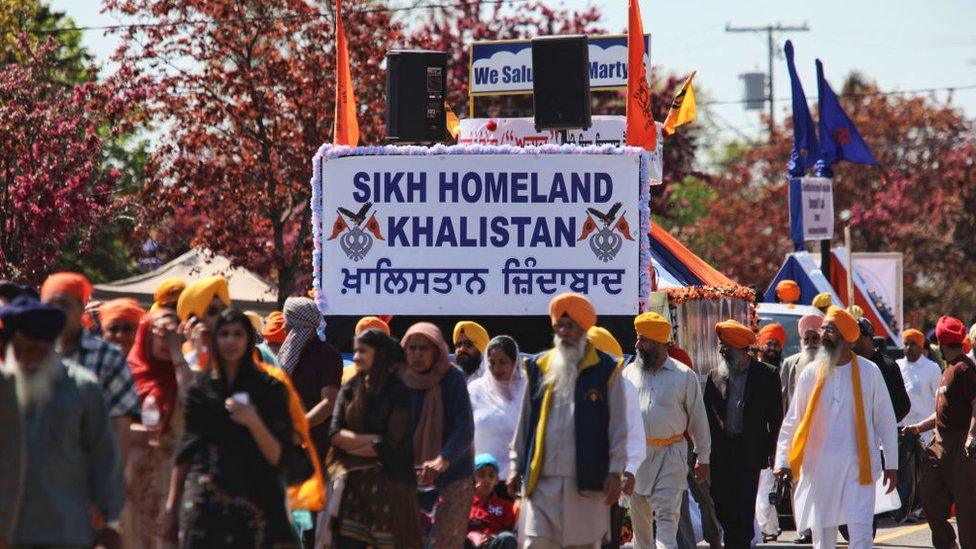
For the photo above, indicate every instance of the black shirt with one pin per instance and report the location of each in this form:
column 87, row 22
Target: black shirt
column 895, row 383
column 238, row 496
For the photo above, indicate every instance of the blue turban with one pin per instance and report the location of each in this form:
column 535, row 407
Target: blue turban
column 484, row 460
column 32, row 318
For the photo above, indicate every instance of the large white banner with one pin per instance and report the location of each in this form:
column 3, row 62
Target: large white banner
column 479, row 234
column 883, row 275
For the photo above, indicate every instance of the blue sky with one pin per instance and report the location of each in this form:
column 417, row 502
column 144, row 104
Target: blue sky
column 901, row 45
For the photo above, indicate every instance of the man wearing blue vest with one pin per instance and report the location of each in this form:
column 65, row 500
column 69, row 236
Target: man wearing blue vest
column 571, row 441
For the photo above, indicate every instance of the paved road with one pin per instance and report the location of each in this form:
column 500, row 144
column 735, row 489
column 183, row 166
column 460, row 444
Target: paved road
column 889, row 534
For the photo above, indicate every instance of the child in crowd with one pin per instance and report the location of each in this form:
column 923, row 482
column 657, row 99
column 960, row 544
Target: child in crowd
column 491, row 521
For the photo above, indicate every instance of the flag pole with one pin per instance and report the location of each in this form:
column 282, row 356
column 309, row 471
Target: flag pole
column 850, row 265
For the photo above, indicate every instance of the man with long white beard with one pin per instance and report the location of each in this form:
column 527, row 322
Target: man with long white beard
column 571, row 442
column 839, row 419
column 671, row 404
column 73, row 459
column 744, row 410
column 809, row 328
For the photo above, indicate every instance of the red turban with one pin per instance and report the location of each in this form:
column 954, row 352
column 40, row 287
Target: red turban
column 73, row 284
column 734, row 334
column 772, row 331
column 124, row 308
column 950, row 331
column 274, row 328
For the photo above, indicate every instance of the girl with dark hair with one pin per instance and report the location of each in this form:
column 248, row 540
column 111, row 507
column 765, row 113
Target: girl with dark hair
column 237, row 438
column 373, row 493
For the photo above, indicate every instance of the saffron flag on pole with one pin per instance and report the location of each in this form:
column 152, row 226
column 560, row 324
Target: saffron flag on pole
column 346, row 130
column 451, row 121
column 839, row 138
column 682, row 108
column 641, row 131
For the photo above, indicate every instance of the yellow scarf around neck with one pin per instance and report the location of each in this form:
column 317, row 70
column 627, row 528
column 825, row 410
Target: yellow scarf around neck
column 799, row 443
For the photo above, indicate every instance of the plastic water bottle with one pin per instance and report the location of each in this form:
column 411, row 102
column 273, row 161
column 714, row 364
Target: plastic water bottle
column 150, row 413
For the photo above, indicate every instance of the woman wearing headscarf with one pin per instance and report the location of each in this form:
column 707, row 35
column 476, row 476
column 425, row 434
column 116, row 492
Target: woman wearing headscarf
column 443, row 430
column 371, row 454
column 162, row 376
column 496, row 401
column 314, row 366
column 238, row 442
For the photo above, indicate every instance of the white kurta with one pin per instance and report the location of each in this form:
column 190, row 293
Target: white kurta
column 636, row 441
column 495, row 419
column 922, row 379
column 827, row 492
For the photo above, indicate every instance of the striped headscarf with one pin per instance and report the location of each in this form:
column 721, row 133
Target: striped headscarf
column 302, row 318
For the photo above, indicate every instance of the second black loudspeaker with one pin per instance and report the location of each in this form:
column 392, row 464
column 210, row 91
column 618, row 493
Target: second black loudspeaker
column 415, row 90
column 561, row 82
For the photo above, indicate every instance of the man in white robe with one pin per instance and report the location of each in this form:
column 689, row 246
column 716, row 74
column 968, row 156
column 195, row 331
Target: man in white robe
column 922, row 378
column 823, row 436
column 570, row 447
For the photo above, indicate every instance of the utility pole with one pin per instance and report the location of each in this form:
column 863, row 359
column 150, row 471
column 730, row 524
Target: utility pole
column 769, row 30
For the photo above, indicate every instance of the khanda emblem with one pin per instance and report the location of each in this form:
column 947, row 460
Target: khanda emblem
column 354, row 239
column 605, row 242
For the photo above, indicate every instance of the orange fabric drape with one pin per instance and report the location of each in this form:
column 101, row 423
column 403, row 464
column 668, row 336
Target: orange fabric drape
column 346, row 131
column 641, row 130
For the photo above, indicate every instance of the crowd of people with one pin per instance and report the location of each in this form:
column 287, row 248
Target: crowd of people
column 198, row 425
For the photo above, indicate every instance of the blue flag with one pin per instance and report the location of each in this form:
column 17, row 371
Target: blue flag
column 839, row 139
column 806, row 149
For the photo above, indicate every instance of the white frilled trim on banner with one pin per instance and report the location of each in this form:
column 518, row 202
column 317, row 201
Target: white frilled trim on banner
column 335, row 151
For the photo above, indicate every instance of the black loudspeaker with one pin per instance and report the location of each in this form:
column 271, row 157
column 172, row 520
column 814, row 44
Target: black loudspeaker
column 415, row 90
column 561, row 82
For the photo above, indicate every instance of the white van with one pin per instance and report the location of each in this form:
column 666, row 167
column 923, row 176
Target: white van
column 789, row 317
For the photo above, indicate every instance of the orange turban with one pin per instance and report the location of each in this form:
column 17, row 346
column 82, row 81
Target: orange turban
column 966, row 345
column 575, row 306
column 912, row 334
column 274, row 328
column 73, row 284
column 197, row 296
column 735, row 334
column 653, row 326
column 788, row 291
column 372, row 322
column 126, row 309
column 772, row 331
column 168, row 292
column 845, row 323
column 603, row 340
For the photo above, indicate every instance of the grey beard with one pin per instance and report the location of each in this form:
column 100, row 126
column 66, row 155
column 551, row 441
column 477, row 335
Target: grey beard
column 34, row 390
column 564, row 366
column 826, row 358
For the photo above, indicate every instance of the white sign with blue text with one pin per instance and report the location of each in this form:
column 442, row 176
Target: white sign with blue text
column 505, row 67
column 479, row 234
column 818, row 208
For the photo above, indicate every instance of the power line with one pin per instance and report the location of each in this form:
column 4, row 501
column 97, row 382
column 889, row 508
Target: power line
column 258, row 18
column 855, row 95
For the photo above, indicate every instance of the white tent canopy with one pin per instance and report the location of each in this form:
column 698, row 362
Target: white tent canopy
column 247, row 290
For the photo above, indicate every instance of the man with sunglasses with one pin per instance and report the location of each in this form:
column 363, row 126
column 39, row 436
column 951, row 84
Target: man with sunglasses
column 71, row 292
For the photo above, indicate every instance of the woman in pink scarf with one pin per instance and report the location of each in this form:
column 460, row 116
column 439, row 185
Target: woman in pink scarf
column 443, row 430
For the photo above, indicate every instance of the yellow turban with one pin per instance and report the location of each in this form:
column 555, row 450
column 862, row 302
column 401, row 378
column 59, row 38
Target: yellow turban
column 845, row 323
column 255, row 319
column 856, row 311
column 912, row 334
column 197, row 296
column 734, row 334
column 653, row 326
column 473, row 331
column 575, row 306
column 372, row 322
column 604, row 341
column 823, row 300
column 168, row 292
column 788, row 291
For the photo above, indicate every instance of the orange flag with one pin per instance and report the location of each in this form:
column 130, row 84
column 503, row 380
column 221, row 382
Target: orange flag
column 623, row 227
column 346, row 131
column 588, row 227
column 641, row 131
column 337, row 227
column 373, row 226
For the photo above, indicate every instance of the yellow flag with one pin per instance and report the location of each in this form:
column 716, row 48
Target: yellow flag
column 451, row 121
column 682, row 108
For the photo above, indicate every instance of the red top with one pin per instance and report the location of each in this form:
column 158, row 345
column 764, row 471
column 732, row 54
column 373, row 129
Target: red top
column 490, row 516
column 954, row 401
